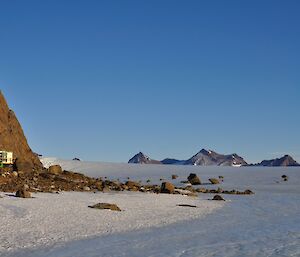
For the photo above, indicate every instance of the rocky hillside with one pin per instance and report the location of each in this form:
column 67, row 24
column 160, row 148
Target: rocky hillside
column 142, row 159
column 286, row 160
column 12, row 138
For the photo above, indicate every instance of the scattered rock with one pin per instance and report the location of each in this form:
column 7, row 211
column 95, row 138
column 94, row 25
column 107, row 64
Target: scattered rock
column 167, row 188
column 105, row 206
column 184, row 192
column 285, row 177
column 214, row 181
column 86, row 188
column 201, row 190
column 248, row 192
column 15, row 174
column 174, row 176
column 218, row 198
column 55, row 169
column 187, row 205
column 132, row 184
column 23, row 193
column 76, row 159
column 221, row 178
column 194, row 179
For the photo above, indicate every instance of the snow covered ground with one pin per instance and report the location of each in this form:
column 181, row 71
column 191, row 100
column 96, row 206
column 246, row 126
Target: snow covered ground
column 264, row 224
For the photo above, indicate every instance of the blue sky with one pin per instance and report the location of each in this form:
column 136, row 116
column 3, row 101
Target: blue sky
column 102, row 80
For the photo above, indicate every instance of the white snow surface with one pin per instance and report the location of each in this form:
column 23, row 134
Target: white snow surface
column 47, row 219
column 264, row 224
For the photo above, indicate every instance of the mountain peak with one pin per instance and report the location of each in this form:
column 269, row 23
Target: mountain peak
column 141, row 158
column 286, row 160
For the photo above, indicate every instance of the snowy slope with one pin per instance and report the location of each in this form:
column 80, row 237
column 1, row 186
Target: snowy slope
column 265, row 224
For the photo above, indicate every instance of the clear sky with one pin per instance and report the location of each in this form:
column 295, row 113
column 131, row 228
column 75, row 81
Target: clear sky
column 102, row 80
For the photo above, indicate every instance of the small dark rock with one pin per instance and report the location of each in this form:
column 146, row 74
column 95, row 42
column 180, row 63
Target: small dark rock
column 105, row 206
column 218, row 198
column 187, row 205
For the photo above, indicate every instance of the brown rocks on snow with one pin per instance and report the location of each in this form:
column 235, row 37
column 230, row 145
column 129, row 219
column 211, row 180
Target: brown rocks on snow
column 133, row 185
column 23, row 193
column 105, row 206
column 194, row 179
column 214, row 181
column 167, row 188
column 55, row 169
column 218, row 198
column 174, row 176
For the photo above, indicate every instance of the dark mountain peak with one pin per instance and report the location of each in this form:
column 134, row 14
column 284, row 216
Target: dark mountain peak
column 211, row 158
column 204, row 151
column 286, row 160
column 141, row 158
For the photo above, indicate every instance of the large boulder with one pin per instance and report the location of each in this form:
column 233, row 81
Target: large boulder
column 12, row 138
column 167, row 188
column 55, row 169
column 194, row 179
column 23, row 193
column 214, row 181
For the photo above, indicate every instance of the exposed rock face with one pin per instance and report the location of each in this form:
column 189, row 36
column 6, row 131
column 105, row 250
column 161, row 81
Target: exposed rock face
column 12, row 139
column 142, row 159
column 286, row 160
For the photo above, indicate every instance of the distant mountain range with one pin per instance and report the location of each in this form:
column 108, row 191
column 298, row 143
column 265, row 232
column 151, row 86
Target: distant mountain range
column 211, row 158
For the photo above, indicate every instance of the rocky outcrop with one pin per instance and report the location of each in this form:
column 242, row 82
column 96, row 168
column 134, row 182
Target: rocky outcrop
column 12, row 139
